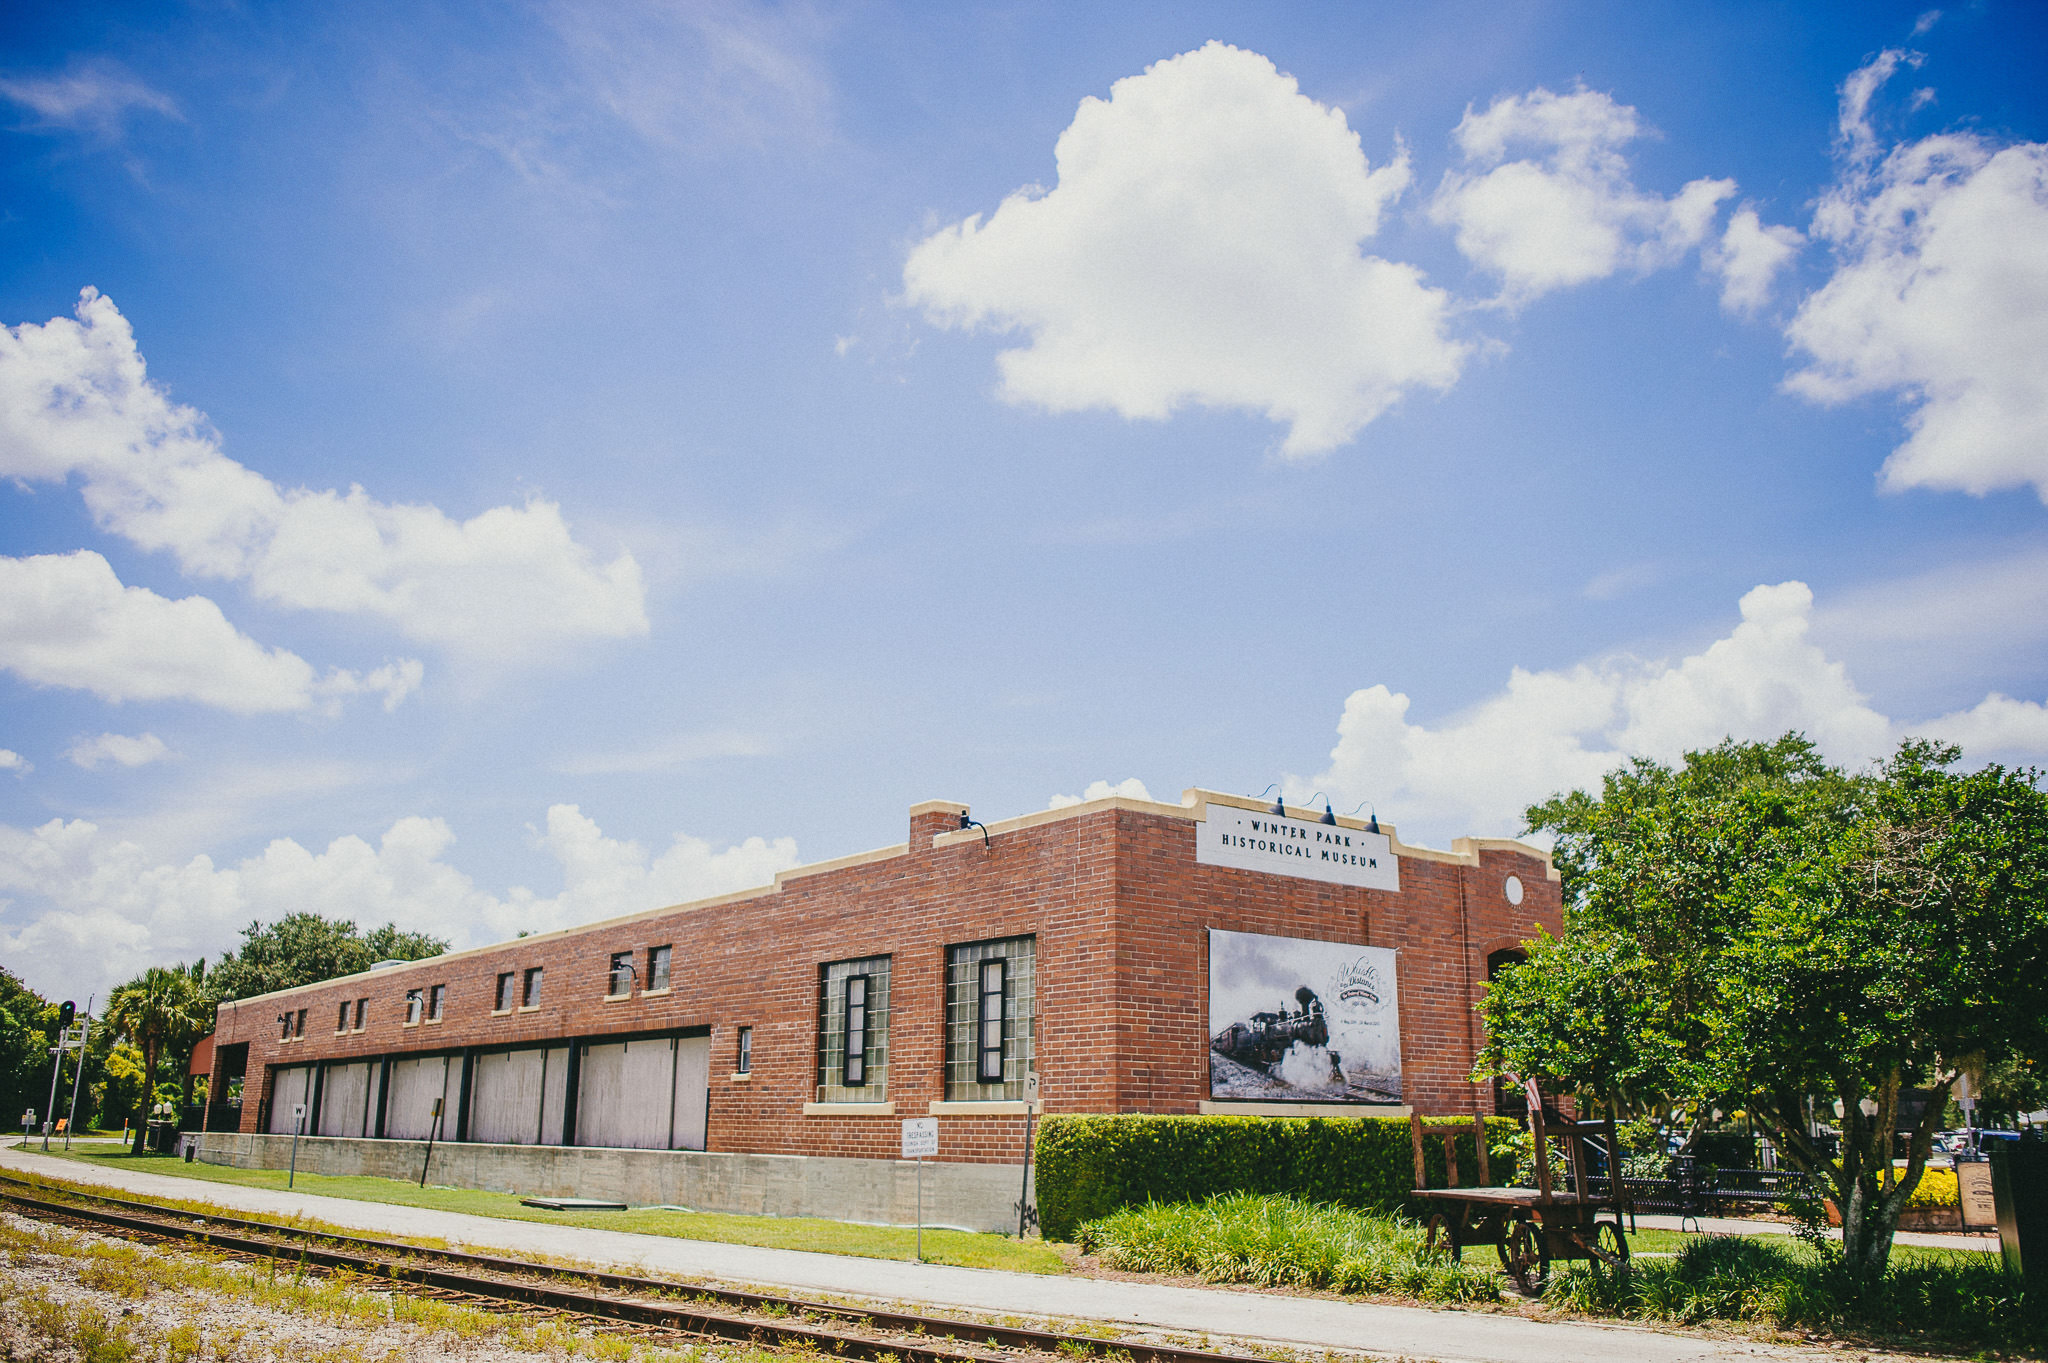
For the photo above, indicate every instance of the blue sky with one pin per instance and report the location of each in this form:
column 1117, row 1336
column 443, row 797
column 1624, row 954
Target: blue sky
column 518, row 464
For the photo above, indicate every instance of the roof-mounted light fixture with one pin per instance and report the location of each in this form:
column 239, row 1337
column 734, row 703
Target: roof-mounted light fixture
column 1329, row 814
column 1374, row 818
column 967, row 823
column 1279, row 805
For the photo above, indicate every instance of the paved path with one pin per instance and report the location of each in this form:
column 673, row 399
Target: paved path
column 1729, row 1225
column 1404, row 1331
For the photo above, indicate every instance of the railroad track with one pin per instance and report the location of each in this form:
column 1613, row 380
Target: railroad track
column 651, row 1304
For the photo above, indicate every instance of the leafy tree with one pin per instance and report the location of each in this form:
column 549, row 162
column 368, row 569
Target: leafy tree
column 27, row 1030
column 162, row 1012
column 305, row 948
column 1760, row 927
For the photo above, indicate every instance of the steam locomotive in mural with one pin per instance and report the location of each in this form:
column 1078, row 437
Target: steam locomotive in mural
column 1263, row 1038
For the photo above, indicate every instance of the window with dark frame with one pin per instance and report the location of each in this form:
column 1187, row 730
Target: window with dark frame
column 362, row 1010
column 341, row 1023
column 415, row 1003
column 529, row 994
column 853, row 1066
column 505, row 992
column 853, row 1031
column 657, row 967
column 991, row 1019
column 619, row 976
column 743, row 1056
column 990, row 1041
column 434, row 997
column 284, row 1027
column 300, row 1029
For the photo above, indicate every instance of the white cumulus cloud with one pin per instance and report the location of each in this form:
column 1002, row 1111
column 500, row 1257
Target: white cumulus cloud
column 75, row 399
column 1557, row 730
column 1545, row 199
column 10, row 760
column 83, row 909
column 1202, row 247
column 1749, row 257
column 66, row 620
column 125, row 750
column 1938, row 297
column 1130, row 789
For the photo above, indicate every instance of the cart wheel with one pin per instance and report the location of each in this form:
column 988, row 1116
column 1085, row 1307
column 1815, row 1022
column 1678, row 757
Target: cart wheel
column 1519, row 1254
column 1610, row 1245
column 1443, row 1236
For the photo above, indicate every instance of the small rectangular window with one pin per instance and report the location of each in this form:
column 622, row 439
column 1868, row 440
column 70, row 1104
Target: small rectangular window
column 341, row 1023
column 621, row 975
column 362, row 1010
column 284, row 1027
column 505, row 992
column 414, row 1002
column 854, row 1073
column 657, row 967
column 299, row 1028
column 529, row 996
column 990, row 1041
column 434, row 997
column 743, row 1061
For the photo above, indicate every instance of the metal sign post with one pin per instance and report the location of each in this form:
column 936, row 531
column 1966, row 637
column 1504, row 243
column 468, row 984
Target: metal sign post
column 298, row 1125
column 28, row 1125
column 920, row 1138
column 433, row 1129
column 1024, row 1210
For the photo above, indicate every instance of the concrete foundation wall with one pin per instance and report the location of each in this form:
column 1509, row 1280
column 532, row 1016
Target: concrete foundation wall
column 970, row 1196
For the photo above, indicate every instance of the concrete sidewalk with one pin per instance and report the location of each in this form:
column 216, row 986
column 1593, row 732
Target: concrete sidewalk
column 1313, row 1322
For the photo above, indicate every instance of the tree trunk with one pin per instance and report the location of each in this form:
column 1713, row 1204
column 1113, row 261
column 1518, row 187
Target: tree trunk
column 147, row 1100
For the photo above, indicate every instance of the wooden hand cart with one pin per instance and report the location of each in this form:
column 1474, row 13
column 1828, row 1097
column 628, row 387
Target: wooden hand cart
column 1529, row 1228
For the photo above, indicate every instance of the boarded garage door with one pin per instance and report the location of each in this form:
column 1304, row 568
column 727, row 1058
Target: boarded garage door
column 644, row 1095
column 289, row 1086
column 415, row 1085
column 516, row 1095
column 348, row 1099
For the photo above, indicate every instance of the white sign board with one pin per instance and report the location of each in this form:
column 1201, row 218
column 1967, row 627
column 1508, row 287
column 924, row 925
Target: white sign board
column 1252, row 840
column 298, row 1111
column 920, row 1137
column 1973, row 1186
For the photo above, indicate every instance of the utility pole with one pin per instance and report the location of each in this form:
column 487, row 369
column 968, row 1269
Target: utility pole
column 65, row 1012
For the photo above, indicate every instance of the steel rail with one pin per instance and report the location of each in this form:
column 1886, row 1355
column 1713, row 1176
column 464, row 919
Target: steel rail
column 244, row 1236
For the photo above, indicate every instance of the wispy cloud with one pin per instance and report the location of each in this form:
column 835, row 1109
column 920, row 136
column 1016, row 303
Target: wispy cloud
column 666, row 754
column 95, row 96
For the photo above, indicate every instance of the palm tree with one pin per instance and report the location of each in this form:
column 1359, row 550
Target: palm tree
column 162, row 1011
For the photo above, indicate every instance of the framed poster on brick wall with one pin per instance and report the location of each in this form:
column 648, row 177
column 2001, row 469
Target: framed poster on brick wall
column 1297, row 1020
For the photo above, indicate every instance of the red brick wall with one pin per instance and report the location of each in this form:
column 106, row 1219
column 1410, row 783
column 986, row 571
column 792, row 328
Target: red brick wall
column 1117, row 903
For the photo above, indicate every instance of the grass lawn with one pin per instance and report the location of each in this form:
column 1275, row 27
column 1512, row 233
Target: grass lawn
column 968, row 1249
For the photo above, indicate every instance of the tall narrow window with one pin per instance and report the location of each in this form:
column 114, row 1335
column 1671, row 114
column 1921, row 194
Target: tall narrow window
column 620, row 975
column 299, row 1028
column 657, row 967
column 743, row 1058
column 434, row 997
column 341, row 1023
column 990, row 1043
column 362, row 1011
column 853, row 1031
column 415, row 1001
column 284, row 1027
column 529, row 997
column 505, row 992
column 854, row 1072
column 991, row 1017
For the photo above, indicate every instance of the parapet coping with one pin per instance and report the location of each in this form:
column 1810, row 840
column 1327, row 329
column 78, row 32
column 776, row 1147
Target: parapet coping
column 1194, row 808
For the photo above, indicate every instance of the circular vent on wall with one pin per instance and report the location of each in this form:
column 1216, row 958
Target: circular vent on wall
column 1514, row 889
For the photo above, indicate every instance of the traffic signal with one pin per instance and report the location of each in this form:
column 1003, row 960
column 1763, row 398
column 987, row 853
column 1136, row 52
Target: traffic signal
column 65, row 1012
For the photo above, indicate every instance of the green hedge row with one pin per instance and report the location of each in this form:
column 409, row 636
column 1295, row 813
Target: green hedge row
column 1091, row 1166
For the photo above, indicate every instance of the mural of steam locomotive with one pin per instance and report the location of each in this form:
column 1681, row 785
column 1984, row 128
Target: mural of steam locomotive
column 1263, row 1038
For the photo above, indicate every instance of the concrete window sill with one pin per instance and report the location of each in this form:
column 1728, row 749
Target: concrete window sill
column 660, row 993
column 849, row 1109
column 744, row 1079
column 529, row 1008
column 974, row 1108
column 501, row 1012
column 618, row 998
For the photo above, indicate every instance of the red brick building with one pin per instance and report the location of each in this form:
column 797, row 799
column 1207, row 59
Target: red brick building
column 1131, row 957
